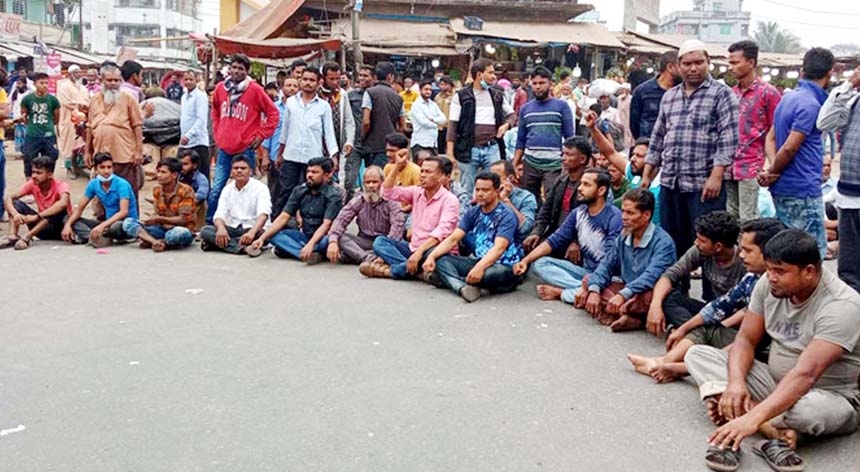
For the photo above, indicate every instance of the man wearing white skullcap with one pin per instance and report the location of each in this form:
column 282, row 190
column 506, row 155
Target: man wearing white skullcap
column 693, row 143
column 73, row 97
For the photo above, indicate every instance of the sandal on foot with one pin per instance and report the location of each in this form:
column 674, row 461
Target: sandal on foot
column 7, row 242
column 779, row 456
column 722, row 460
column 22, row 244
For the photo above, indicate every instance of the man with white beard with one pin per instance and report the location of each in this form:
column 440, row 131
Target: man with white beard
column 74, row 99
column 116, row 127
column 373, row 217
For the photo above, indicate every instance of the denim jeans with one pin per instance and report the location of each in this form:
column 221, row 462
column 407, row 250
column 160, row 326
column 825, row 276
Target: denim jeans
column 36, row 146
column 803, row 213
column 83, row 226
column 680, row 210
column 824, row 136
column 290, row 176
column 482, row 158
column 395, row 254
column 560, row 273
column 207, row 234
column 2, row 176
column 223, row 164
column 498, row 278
column 292, row 241
column 176, row 237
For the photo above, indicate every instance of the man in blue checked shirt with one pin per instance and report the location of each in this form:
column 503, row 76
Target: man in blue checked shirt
column 718, row 322
column 693, row 145
column 194, row 121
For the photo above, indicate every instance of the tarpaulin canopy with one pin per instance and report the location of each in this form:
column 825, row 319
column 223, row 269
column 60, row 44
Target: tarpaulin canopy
column 396, row 33
column 273, row 48
column 562, row 32
column 267, row 22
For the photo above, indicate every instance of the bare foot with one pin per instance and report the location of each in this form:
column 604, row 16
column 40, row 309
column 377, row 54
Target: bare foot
column 145, row 245
column 548, row 292
column 712, row 409
column 159, row 246
column 772, row 432
column 644, row 365
column 605, row 319
column 626, row 323
column 669, row 372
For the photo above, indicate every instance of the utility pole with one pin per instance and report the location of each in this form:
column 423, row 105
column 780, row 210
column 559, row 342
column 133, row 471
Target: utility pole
column 81, row 25
column 356, row 36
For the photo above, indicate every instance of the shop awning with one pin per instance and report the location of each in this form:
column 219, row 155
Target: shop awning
column 562, row 32
column 77, row 57
column 266, row 22
column 397, row 33
column 276, row 48
column 636, row 44
column 412, row 52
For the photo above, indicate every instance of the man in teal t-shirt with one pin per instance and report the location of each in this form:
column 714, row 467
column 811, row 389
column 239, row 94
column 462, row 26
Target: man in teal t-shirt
column 42, row 112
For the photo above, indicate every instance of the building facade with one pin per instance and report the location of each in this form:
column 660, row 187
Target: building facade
column 713, row 21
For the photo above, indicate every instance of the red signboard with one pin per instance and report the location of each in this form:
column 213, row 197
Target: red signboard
column 10, row 25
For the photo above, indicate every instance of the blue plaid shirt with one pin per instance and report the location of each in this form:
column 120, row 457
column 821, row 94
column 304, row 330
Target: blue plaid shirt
column 735, row 299
column 693, row 134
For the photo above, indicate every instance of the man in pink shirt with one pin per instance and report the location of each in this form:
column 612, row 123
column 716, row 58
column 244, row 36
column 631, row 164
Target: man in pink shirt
column 53, row 206
column 757, row 101
column 435, row 212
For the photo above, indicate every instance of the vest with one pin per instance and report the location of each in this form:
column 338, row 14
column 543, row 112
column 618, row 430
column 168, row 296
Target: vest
column 383, row 117
column 466, row 124
column 849, row 168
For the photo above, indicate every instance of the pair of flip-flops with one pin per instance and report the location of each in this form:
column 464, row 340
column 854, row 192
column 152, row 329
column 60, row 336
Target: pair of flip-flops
column 17, row 243
column 776, row 452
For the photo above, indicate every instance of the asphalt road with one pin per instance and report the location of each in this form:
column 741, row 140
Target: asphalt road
column 110, row 365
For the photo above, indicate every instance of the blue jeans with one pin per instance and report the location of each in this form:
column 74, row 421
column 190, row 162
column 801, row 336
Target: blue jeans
column 292, row 241
column 176, row 237
column 2, row 175
column 560, row 273
column 498, row 278
column 223, row 164
column 482, row 158
column 803, row 213
column 395, row 254
column 833, row 143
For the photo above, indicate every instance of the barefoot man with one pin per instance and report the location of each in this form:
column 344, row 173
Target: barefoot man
column 717, row 323
column 594, row 226
column 809, row 384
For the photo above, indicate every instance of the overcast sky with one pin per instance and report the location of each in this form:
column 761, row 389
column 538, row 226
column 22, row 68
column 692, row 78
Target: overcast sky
column 819, row 23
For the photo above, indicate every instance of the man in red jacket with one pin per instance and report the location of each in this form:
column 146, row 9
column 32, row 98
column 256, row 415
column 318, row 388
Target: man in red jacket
column 238, row 111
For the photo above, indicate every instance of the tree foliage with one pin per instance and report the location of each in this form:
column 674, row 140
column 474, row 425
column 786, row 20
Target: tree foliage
column 773, row 38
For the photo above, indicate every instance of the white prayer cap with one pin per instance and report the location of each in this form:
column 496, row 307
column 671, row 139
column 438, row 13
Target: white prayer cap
column 74, row 68
column 691, row 45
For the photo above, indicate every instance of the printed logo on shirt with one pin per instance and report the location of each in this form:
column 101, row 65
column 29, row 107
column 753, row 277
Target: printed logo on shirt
column 239, row 111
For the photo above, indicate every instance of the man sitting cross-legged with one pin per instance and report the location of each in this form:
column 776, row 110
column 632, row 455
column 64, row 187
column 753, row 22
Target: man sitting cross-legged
column 53, row 206
column 243, row 210
column 641, row 255
column 434, row 217
column 318, row 201
column 494, row 226
column 116, row 196
column 172, row 225
column 594, row 226
column 715, row 252
column 716, row 324
column 809, row 384
column 373, row 215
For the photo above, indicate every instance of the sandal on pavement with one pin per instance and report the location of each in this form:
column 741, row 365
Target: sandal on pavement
column 22, row 244
column 722, row 460
column 7, row 242
column 779, row 456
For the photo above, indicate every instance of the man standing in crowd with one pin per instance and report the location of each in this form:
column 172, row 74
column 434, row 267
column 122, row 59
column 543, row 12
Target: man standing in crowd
column 20, row 90
column 132, row 80
column 593, row 226
column 374, row 217
column 693, row 145
column 443, row 101
column 172, row 225
column 479, row 116
column 645, row 105
column 841, row 113
column 53, row 206
column 341, row 111
column 242, row 117
column 318, row 201
column 426, row 118
column 356, row 94
column 194, row 121
column 74, row 99
column 117, row 198
column 307, row 133
column 41, row 111
column 809, row 384
column 93, row 83
column 493, row 226
column 382, row 114
column 795, row 175
column 116, row 127
column 408, row 94
column 243, row 210
column 175, row 90
column 297, row 68
column 640, row 256
column 757, row 101
column 544, row 124
column 435, row 212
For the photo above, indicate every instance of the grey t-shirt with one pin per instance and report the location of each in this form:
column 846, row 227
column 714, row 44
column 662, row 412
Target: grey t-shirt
column 831, row 314
column 721, row 279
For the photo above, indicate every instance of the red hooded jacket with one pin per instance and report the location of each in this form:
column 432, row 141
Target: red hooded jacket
column 234, row 131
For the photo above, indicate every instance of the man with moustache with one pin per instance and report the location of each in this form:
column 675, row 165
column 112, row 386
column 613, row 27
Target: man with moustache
column 74, row 99
column 544, row 124
column 645, row 104
column 341, row 110
column 116, row 127
column 374, row 217
column 194, row 121
column 426, row 118
column 443, row 101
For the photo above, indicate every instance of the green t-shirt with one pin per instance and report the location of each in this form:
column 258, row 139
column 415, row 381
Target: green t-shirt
column 40, row 115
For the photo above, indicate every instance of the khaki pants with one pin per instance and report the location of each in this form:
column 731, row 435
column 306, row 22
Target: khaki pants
column 742, row 199
column 819, row 412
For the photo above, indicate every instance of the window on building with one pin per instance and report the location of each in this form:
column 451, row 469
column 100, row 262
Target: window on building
column 745, row 30
column 19, row 7
column 172, row 5
column 138, row 3
column 718, row 6
column 177, row 33
column 725, row 30
column 124, row 33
